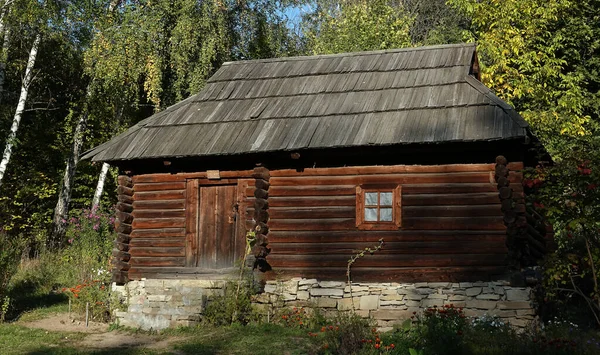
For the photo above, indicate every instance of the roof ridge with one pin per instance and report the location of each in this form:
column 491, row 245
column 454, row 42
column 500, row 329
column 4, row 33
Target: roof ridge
column 351, row 54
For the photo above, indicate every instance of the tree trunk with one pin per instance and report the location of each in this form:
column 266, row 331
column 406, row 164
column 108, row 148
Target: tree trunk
column 3, row 57
column 20, row 106
column 100, row 187
column 61, row 211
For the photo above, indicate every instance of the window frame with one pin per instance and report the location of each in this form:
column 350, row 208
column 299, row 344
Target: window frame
column 396, row 221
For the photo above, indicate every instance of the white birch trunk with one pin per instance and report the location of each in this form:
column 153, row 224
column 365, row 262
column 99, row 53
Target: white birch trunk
column 20, row 106
column 62, row 206
column 4, row 58
column 100, row 186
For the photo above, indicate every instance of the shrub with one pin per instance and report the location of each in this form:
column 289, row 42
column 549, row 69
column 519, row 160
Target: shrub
column 9, row 260
column 234, row 306
column 568, row 194
column 347, row 333
column 84, row 264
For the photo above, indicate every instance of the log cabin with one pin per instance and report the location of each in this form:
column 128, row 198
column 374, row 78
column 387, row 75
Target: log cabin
column 321, row 156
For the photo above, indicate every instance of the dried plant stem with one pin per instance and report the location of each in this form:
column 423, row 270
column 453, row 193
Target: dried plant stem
column 353, row 259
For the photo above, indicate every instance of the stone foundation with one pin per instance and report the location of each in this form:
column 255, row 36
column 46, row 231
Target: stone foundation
column 159, row 304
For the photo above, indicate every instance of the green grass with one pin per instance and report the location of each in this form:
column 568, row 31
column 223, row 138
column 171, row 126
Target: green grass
column 251, row 339
column 16, row 339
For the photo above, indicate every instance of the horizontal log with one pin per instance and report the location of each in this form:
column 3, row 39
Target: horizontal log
column 261, row 215
column 401, row 179
column 120, row 277
column 312, row 212
column 369, row 170
column 123, row 238
column 451, row 199
column 411, row 274
column 163, row 242
column 496, row 246
column 124, row 207
column 155, row 261
column 123, row 228
column 312, row 224
column 261, row 184
column 122, row 190
column 312, row 201
column 161, row 186
column 181, row 177
column 451, row 211
column 159, row 195
column 386, row 260
column 180, row 213
column 121, row 246
column 124, row 180
column 159, row 205
column 260, row 203
column 454, row 223
column 158, row 233
column 125, row 199
column 260, row 193
column 123, row 256
column 505, row 192
column 407, row 189
column 157, row 252
column 261, row 173
column 154, row 223
column 124, row 217
column 137, row 272
column 371, row 237
column 120, row 265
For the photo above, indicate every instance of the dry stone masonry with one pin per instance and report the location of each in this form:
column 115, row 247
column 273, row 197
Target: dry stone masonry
column 159, row 304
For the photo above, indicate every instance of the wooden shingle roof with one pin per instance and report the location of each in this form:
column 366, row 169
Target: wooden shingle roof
column 413, row 95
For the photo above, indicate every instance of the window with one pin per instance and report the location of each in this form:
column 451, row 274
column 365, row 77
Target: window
column 378, row 208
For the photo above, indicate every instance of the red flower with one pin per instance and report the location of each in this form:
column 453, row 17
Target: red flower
column 377, row 346
column 323, row 329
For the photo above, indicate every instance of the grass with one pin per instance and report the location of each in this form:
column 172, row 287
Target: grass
column 251, row 339
column 16, row 339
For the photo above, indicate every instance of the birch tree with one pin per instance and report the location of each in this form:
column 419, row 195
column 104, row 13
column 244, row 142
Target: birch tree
column 64, row 197
column 27, row 79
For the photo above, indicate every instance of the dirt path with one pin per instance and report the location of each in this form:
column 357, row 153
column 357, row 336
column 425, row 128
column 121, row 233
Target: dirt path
column 99, row 338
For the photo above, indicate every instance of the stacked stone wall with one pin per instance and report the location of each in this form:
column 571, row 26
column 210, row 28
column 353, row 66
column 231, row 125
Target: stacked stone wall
column 159, row 304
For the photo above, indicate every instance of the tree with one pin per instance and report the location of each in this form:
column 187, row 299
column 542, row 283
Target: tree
column 542, row 57
column 352, row 26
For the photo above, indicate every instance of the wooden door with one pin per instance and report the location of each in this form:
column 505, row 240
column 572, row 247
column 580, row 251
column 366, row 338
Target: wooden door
column 215, row 243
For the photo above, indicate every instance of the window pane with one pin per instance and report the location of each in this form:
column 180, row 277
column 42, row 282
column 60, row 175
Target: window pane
column 371, row 198
column 371, row 214
column 386, row 199
column 385, row 214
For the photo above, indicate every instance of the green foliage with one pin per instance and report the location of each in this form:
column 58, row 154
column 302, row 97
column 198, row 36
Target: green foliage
column 354, row 26
column 85, row 263
column 234, row 306
column 568, row 194
column 345, row 333
column 542, row 57
column 10, row 254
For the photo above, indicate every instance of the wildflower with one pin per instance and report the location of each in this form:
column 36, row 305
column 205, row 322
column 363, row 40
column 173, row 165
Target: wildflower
column 323, row 329
column 377, row 346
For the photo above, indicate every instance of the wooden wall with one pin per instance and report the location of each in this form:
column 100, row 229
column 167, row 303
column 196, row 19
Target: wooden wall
column 452, row 224
column 159, row 246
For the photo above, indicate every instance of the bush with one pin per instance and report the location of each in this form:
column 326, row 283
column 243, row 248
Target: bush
column 568, row 194
column 84, row 264
column 10, row 255
column 347, row 333
column 234, row 306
